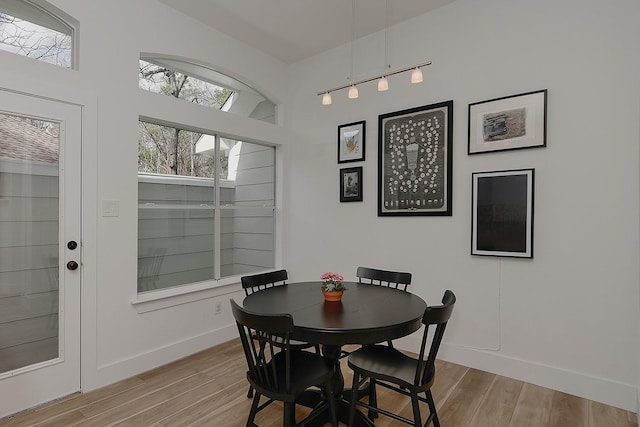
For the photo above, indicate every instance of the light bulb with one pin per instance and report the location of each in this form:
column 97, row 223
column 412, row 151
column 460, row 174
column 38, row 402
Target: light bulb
column 416, row 75
column 383, row 84
column 353, row 92
column 326, row 99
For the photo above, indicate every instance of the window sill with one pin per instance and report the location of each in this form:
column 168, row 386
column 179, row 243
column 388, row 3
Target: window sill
column 161, row 299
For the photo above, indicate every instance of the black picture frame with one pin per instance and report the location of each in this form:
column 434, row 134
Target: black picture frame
column 502, row 213
column 415, row 161
column 351, row 184
column 508, row 123
column 352, row 142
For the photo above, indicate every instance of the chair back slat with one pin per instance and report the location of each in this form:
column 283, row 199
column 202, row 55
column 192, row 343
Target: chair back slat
column 437, row 316
column 258, row 282
column 266, row 341
column 391, row 279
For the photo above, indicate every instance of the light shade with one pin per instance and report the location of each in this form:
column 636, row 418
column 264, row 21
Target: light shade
column 383, row 84
column 353, row 92
column 416, row 75
column 326, row 99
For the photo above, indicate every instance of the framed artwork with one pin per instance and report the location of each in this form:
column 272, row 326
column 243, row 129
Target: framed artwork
column 509, row 123
column 415, row 161
column 351, row 142
column 351, row 184
column 502, row 215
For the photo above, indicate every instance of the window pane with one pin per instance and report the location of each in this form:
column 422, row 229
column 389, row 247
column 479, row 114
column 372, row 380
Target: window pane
column 204, row 86
column 250, row 173
column 177, row 241
column 247, row 240
column 29, row 236
column 29, row 31
column 175, row 247
column 172, row 151
column 161, row 79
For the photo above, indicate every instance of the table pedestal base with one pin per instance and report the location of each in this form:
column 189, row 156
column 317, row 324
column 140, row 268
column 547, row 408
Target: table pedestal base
column 311, row 399
column 306, row 400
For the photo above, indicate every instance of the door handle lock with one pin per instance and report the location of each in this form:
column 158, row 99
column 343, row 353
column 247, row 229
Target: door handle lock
column 72, row 244
column 72, row 265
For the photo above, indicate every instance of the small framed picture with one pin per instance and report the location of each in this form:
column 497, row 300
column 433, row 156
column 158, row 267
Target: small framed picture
column 509, row 123
column 351, row 142
column 502, row 215
column 351, row 184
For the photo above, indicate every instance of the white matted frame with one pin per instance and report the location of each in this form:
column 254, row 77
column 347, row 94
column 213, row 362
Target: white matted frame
column 508, row 123
column 351, row 142
column 502, row 213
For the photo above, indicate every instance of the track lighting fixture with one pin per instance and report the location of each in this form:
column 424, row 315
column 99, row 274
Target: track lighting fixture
column 383, row 82
column 416, row 77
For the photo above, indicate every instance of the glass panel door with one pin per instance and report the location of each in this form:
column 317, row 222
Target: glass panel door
column 39, row 233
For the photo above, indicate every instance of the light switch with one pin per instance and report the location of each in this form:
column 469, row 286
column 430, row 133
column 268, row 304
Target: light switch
column 110, row 208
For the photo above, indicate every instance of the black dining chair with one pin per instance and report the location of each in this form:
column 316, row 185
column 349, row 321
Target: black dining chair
column 276, row 370
column 390, row 279
column 259, row 282
column 376, row 277
column 392, row 369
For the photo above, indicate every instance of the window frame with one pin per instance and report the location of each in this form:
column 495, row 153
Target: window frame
column 217, row 207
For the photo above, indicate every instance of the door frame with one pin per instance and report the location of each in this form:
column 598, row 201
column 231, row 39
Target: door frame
column 88, row 103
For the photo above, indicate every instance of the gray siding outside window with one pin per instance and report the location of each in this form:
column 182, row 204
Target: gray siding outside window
column 176, row 223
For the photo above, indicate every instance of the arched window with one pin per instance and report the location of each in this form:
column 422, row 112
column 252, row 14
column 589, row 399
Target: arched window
column 36, row 29
column 203, row 85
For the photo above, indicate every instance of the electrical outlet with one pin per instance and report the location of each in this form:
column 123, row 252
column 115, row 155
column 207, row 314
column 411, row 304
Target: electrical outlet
column 218, row 309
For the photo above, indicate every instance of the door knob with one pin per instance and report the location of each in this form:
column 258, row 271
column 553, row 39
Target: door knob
column 72, row 244
column 72, row 265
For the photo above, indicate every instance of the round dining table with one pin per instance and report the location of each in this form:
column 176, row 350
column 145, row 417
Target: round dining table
column 367, row 314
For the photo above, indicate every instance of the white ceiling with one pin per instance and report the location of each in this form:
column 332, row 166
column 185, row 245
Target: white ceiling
column 292, row 30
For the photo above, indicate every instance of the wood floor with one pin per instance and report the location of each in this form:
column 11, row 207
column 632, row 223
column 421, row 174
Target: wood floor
column 209, row 389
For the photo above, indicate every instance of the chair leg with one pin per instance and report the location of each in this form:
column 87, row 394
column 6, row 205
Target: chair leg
column 416, row 410
column 250, row 392
column 254, row 409
column 373, row 399
column 432, row 408
column 354, row 397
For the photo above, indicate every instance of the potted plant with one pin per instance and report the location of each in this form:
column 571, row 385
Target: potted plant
column 332, row 286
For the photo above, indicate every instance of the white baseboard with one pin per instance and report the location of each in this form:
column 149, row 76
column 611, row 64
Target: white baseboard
column 620, row 395
column 116, row 371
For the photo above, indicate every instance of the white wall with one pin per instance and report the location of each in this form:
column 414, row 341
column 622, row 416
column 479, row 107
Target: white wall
column 568, row 319
column 119, row 338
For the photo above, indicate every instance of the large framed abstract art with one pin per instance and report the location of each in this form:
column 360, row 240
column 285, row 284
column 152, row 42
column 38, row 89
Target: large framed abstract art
column 415, row 161
column 502, row 213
